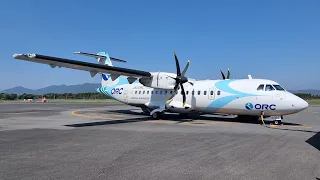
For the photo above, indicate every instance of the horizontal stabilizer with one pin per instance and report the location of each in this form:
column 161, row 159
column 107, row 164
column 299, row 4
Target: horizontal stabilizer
column 99, row 56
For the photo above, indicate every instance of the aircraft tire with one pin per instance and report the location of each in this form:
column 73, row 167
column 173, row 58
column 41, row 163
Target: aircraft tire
column 277, row 122
column 157, row 115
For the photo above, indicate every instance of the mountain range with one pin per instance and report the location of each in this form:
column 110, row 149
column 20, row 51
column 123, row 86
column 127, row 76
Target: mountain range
column 60, row 89
column 91, row 87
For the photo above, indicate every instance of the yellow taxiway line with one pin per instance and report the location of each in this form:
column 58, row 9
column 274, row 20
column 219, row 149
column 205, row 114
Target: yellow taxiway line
column 91, row 117
column 290, row 126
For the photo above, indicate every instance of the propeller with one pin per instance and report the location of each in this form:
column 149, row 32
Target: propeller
column 223, row 76
column 180, row 80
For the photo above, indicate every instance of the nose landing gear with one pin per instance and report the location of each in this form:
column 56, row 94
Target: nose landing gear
column 276, row 120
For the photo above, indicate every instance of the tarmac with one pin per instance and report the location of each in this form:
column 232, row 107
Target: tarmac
column 115, row 141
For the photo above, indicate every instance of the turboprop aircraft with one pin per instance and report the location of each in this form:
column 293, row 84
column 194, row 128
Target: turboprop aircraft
column 159, row 92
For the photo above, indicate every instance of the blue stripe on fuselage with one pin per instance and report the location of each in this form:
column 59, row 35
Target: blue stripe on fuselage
column 224, row 87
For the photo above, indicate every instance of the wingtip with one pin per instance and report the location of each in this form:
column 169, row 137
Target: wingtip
column 16, row 55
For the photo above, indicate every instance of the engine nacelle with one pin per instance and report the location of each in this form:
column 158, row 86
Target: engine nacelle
column 159, row 80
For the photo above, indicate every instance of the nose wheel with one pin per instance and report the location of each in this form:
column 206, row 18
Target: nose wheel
column 277, row 122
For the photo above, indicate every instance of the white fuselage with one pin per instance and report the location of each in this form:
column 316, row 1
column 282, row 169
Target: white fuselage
column 240, row 97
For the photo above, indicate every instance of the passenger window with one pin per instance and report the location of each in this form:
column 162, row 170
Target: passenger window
column 160, row 92
column 170, row 92
column 147, row 92
column 187, row 92
column 199, row 92
column 211, row 92
column 143, row 92
column 165, row 92
column 192, row 92
column 156, row 92
column 205, row 92
column 269, row 87
column 260, row 88
column 218, row 92
column 139, row 92
column 136, row 92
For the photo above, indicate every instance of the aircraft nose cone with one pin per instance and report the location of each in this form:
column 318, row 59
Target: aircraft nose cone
column 300, row 104
column 303, row 104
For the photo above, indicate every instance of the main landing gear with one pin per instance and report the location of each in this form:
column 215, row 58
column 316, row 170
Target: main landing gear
column 146, row 110
column 157, row 115
column 154, row 115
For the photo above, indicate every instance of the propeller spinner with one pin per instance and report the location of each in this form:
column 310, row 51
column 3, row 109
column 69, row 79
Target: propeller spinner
column 180, row 80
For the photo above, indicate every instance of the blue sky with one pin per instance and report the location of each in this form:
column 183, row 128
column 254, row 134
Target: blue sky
column 278, row 40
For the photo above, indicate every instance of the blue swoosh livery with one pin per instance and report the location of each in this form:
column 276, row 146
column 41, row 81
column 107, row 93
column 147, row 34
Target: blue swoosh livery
column 224, row 86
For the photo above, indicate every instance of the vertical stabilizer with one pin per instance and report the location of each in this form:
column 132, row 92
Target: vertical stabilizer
column 104, row 59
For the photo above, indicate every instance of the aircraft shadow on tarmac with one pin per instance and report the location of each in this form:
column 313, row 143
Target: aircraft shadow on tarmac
column 100, row 123
column 179, row 119
column 315, row 141
column 169, row 117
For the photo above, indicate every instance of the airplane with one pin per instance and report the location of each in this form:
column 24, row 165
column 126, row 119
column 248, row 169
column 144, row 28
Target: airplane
column 159, row 92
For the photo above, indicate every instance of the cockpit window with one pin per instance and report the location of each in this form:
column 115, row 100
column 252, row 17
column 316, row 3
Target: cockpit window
column 261, row 87
column 278, row 87
column 269, row 87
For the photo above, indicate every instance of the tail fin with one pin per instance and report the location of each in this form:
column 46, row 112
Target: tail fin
column 104, row 59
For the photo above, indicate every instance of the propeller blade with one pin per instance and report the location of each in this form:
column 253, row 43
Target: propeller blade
column 171, row 77
column 222, row 75
column 228, row 76
column 177, row 65
column 185, row 69
column 174, row 93
column 183, row 95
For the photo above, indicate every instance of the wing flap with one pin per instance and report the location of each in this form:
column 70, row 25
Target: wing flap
column 80, row 65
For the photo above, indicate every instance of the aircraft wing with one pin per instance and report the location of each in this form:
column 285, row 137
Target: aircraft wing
column 80, row 65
